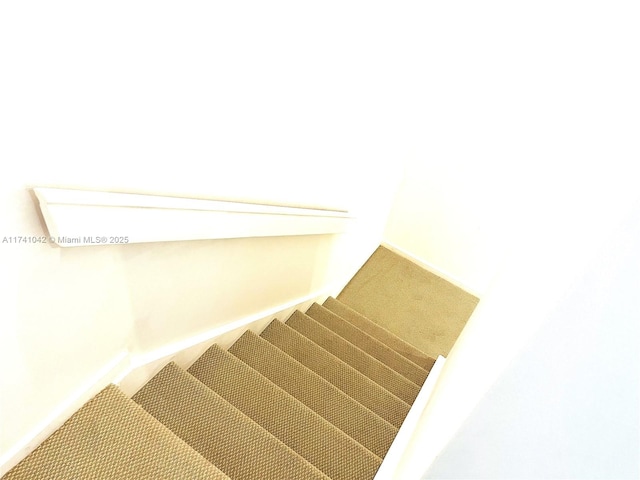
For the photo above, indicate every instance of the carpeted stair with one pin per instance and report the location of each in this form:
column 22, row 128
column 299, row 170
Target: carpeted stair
column 319, row 397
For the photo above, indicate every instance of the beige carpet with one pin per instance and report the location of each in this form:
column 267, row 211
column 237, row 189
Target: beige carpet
column 309, row 399
column 112, row 437
column 363, row 323
column 218, row 431
column 374, row 369
column 416, row 305
column 309, row 434
column 322, row 397
column 369, row 344
column 355, row 384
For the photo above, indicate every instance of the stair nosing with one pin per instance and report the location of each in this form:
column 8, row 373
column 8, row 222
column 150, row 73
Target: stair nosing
column 203, row 368
column 374, row 347
column 399, row 380
column 237, row 420
column 378, row 331
column 317, row 351
column 382, row 423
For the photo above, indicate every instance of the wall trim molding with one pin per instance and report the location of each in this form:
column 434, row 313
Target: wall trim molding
column 432, row 268
column 78, row 218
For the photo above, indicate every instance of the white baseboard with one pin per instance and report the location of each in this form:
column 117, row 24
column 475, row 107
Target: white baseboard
column 63, row 411
column 432, row 268
column 270, row 313
column 394, row 465
column 186, row 351
column 130, row 371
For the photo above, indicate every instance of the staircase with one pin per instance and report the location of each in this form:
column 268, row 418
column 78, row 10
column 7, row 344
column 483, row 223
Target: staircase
column 319, row 397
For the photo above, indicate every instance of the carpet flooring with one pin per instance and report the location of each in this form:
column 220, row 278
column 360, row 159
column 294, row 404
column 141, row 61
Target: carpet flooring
column 421, row 308
column 320, row 397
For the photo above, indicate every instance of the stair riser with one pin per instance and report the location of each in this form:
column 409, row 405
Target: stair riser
column 321, row 443
column 218, row 431
column 335, row 371
column 373, row 347
column 339, row 409
column 352, row 355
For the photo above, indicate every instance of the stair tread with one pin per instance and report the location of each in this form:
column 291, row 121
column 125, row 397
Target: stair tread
column 369, row 344
column 306, row 432
column 377, row 331
column 344, row 412
column 358, row 386
column 218, row 431
column 111, row 437
column 354, row 356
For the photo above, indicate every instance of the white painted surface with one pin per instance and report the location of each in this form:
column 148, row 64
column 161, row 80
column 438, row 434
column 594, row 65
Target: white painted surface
column 516, row 121
column 450, row 214
column 568, row 405
column 78, row 218
column 401, row 461
column 518, row 145
column 529, row 166
column 430, row 267
column 62, row 196
column 205, row 100
column 130, row 370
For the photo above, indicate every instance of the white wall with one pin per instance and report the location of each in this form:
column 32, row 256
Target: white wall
column 528, row 166
column 522, row 105
column 568, row 406
column 273, row 102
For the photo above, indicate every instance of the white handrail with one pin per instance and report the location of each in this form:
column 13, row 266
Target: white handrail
column 84, row 218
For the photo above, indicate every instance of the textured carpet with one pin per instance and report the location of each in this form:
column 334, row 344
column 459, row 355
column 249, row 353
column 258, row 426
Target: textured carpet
column 315, row 392
column 414, row 304
column 346, row 378
column 306, row 432
column 369, row 344
column 354, row 356
column 220, row 432
column 113, row 438
column 309, row 399
column 402, row 347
